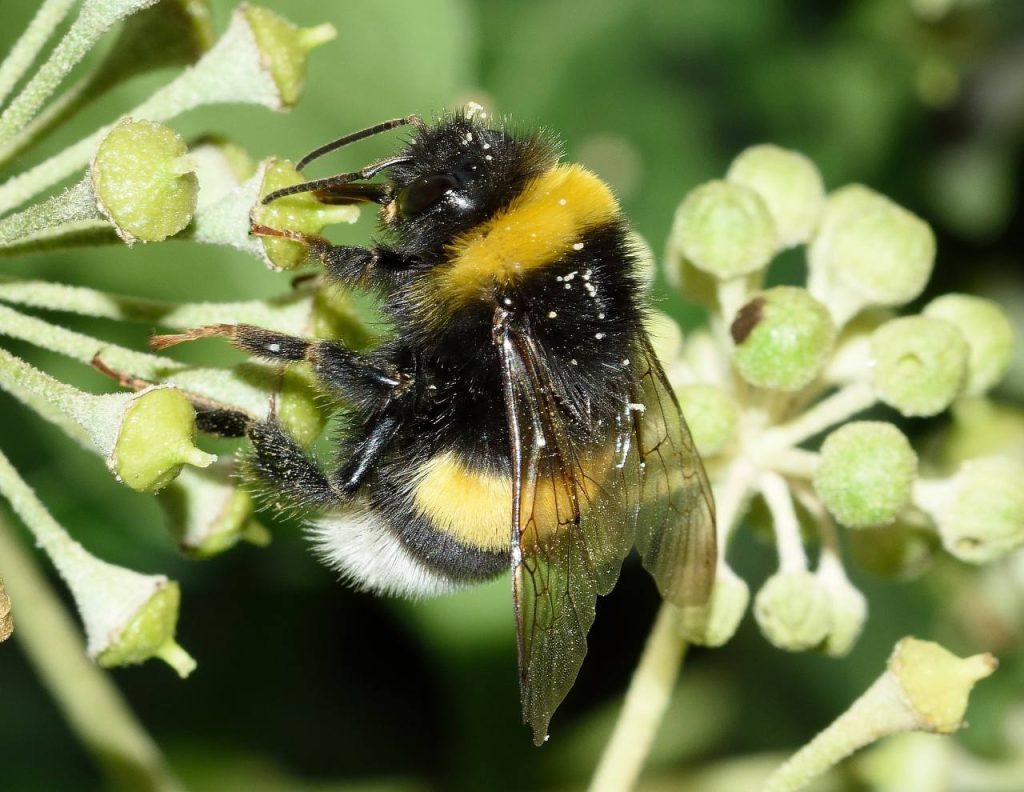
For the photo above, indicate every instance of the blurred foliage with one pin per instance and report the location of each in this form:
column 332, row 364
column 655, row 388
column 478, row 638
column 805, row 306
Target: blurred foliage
column 303, row 684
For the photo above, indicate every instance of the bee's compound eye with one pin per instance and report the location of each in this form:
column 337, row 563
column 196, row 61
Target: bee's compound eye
column 424, row 193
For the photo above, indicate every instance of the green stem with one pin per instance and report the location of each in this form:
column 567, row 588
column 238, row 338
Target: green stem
column 74, row 205
column 231, row 71
column 71, row 236
column 92, row 22
column 792, row 556
column 828, row 412
column 50, row 398
column 92, row 705
column 289, row 314
column 84, row 348
column 878, row 713
column 646, row 701
column 50, row 14
column 59, row 110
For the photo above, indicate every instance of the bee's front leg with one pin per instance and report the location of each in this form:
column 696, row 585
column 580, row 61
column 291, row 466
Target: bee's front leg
column 346, row 264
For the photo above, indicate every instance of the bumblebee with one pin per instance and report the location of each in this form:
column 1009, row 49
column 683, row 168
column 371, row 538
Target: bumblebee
column 517, row 416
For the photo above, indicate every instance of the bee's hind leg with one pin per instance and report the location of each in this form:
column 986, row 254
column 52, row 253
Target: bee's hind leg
column 282, row 467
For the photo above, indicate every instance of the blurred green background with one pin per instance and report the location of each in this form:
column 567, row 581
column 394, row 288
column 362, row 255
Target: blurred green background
column 303, row 684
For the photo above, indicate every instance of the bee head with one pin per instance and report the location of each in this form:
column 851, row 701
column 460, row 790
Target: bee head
column 456, row 173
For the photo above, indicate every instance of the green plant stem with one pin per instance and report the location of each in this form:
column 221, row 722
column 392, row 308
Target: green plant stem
column 58, row 111
column 830, row 411
column 92, row 705
column 74, row 205
column 50, row 398
column 792, row 556
column 229, row 72
column 84, row 348
column 878, row 713
column 289, row 314
column 50, row 14
column 646, row 701
column 92, row 22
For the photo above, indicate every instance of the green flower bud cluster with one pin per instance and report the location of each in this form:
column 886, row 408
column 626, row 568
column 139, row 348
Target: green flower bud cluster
column 135, row 180
column 769, row 392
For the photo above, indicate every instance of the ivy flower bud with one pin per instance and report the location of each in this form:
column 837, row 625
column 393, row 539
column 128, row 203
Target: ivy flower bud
column 712, row 415
column 868, row 252
column 730, row 596
column 849, row 611
column 146, row 632
column 145, row 437
column 980, row 510
column 209, row 513
column 783, row 338
column 144, row 181
column 793, row 611
column 988, row 333
column 866, row 473
column 924, row 688
column 725, row 230
column 790, row 185
column 128, row 617
column 284, row 47
column 6, row 623
column 301, row 213
column 155, row 438
column 936, row 682
column 920, row 364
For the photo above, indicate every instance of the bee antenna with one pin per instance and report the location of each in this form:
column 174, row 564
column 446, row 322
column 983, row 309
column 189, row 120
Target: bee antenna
column 376, row 129
column 334, row 181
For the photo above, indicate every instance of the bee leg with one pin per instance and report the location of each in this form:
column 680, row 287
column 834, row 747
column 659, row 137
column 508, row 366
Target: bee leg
column 220, row 421
column 351, row 375
column 344, row 263
column 279, row 462
column 350, row 476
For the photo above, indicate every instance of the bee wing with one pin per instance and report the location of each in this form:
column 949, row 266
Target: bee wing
column 582, row 493
column 574, row 519
column 676, row 525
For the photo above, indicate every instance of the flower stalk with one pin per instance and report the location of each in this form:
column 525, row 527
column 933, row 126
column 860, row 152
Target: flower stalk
column 128, row 617
column 94, row 708
column 924, row 688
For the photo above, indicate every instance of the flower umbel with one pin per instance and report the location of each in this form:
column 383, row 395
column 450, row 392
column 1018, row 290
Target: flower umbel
column 769, row 390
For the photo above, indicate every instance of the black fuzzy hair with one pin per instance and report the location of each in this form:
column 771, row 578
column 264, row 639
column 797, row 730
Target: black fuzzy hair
column 494, row 162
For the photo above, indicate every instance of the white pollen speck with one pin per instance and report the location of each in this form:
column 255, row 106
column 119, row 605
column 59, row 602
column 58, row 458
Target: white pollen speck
column 507, row 301
column 573, row 361
column 600, row 316
column 559, row 278
column 552, row 314
column 598, row 336
column 431, row 387
column 637, row 407
column 568, row 285
column 486, row 146
column 578, row 246
column 273, row 347
column 571, row 275
column 488, row 157
column 469, row 137
column 625, row 362
column 562, row 202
